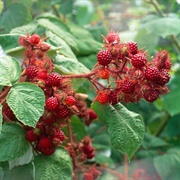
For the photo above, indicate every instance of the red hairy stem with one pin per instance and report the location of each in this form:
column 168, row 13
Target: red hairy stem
column 3, row 95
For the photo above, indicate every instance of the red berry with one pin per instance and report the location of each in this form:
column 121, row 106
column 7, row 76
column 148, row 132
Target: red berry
column 138, row 60
column 52, row 103
column 90, row 156
column 35, row 39
column 8, row 112
column 163, row 78
column 102, row 98
column 59, row 135
column 42, row 75
column 127, row 86
column 104, row 57
column 152, row 73
column 167, row 65
column 113, row 37
column 48, row 151
column 133, row 47
column 92, row 114
column 88, row 176
column 44, row 142
column 53, row 79
column 88, row 149
column 63, row 111
column 31, row 71
column 104, row 73
column 151, row 95
column 70, row 100
column 31, row 136
column 113, row 97
column 49, row 120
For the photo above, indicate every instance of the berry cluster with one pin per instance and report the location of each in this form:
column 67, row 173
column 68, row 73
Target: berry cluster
column 131, row 74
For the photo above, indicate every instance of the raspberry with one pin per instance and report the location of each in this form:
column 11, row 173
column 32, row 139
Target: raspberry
column 87, row 176
column 127, row 86
column 90, row 156
column 48, row 151
column 88, row 149
column 44, row 142
column 104, row 74
column 138, row 60
column 42, row 75
column 152, row 73
column 102, row 98
column 133, row 47
column 31, row 71
column 151, row 95
column 163, row 78
column 63, row 111
column 8, row 112
column 52, row 103
column 53, row 79
column 113, row 98
column 35, row 39
column 70, row 100
column 104, row 57
column 92, row 114
column 31, row 136
column 167, row 65
column 113, row 37
column 59, row 135
column 49, row 120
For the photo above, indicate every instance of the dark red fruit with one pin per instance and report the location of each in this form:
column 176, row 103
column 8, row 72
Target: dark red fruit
column 163, row 78
column 138, row 60
column 151, row 95
column 92, row 114
column 90, row 156
column 70, row 101
column 102, row 98
column 127, row 86
column 88, row 176
column 104, row 74
column 59, row 135
column 104, row 57
column 31, row 136
column 113, row 37
column 133, row 47
column 48, row 151
column 63, row 111
column 53, row 79
column 42, row 75
column 52, row 103
column 35, row 39
column 152, row 73
column 8, row 112
column 167, row 65
column 31, row 71
column 113, row 97
column 88, row 149
column 44, row 142
column 49, row 120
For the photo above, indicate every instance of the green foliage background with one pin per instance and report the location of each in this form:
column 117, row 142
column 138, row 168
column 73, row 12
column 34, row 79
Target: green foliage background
column 74, row 30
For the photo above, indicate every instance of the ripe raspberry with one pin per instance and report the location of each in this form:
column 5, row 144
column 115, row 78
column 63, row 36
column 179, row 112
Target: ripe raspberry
column 63, row 111
column 163, row 78
column 42, row 75
column 48, row 151
column 127, row 86
column 92, row 114
column 104, row 73
column 44, row 142
column 35, row 39
column 87, row 149
column 8, row 112
column 49, row 120
column 138, row 60
column 88, row 176
column 133, row 47
column 151, row 95
column 53, row 79
column 31, row 136
column 113, row 37
column 70, row 100
column 167, row 65
column 102, row 98
column 152, row 73
column 52, row 103
column 104, row 57
column 113, row 97
column 31, row 71
column 59, row 135
column 90, row 156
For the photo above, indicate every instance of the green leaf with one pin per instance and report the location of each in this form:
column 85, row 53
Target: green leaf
column 27, row 102
column 69, row 66
column 0, row 118
column 9, row 42
column 26, row 29
column 66, row 7
column 1, row 8
column 59, row 42
column 78, row 128
column 16, row 15
column 57, row 166
column 104, row 160
column 125, row 127
column 9, row 71
column 162, row 26
column 25, row 172
column 167, row 166
column 1, row 173
column 13, row 142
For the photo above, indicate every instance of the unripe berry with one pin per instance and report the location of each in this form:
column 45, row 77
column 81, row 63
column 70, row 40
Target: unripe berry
column 104, row 73
column 70, row 101
column 102, row 98
column 104, row 57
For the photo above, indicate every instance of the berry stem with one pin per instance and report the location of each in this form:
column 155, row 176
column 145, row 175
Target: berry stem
column 69, row 131
column 4, row 94
column 126, row 167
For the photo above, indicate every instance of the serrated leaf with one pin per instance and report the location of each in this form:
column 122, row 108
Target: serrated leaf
column 69, row 66
column 25, row 159
column 57, row 166
column 0, row 118
column 13, row 142
column 9, row 71
column 170, row 26
column 167, row 166
column 27, row 102
column 125, row 127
